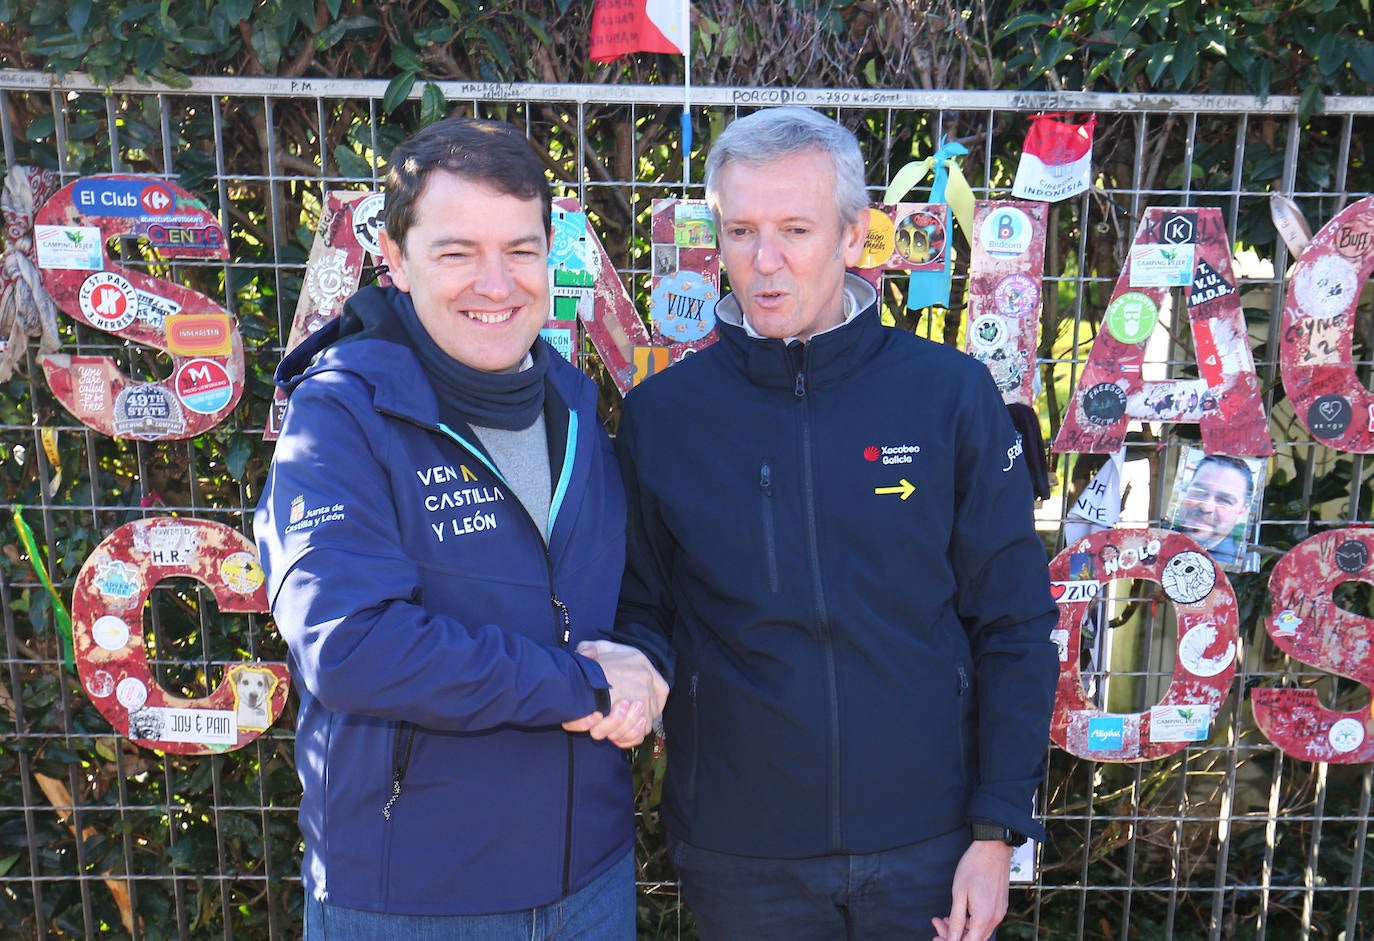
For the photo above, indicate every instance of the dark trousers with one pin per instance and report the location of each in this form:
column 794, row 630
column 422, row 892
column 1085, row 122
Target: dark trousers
column 870, row 897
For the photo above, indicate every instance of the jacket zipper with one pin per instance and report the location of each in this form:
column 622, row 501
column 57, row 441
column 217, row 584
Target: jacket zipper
column 562, row 621
column 766, row 485
column 400, row 761
column 822, row 611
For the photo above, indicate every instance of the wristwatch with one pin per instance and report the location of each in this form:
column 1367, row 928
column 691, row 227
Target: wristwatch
column 995, row 831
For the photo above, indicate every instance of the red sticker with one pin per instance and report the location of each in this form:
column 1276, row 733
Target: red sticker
column 157, row 200
column 203, row 386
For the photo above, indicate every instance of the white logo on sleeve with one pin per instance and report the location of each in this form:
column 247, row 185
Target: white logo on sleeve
column 1013, row 452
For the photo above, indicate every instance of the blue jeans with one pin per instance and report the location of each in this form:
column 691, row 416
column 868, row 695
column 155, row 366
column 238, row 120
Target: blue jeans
column 893, row 894
column 603, row 911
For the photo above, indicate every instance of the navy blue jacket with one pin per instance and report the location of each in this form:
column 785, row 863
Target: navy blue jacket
column 431, row 636
column 834, row 542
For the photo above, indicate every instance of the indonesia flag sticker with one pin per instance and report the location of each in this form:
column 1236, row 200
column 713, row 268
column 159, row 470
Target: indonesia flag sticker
column 1057, row 160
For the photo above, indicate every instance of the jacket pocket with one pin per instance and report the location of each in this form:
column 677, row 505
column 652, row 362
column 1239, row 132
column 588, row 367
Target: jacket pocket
column 693, row 740
column 402, row 738
column 963, row 722
column 769, row 533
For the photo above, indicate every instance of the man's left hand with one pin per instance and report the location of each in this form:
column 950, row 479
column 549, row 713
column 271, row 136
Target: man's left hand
column 982, row 883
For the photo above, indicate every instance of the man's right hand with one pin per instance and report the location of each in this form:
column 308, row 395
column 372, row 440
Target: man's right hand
column 637, row 694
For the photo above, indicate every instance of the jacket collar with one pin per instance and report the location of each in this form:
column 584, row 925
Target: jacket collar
column 825, row 358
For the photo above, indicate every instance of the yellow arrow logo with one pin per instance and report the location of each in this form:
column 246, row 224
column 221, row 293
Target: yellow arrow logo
column 467, row 474
column 906, row 488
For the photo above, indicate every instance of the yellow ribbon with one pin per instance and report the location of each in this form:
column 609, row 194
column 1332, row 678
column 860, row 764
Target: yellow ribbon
column 948, row 186
column 48, row 435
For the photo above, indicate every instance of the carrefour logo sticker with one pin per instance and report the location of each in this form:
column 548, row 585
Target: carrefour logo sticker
column 126, row 198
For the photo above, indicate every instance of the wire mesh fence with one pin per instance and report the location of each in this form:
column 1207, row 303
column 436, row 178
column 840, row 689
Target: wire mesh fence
column 1225, row 838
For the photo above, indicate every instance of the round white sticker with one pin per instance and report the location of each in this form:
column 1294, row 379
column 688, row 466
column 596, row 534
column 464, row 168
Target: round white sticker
column 1327, row 287
column 1006, row 232
column 1188, row 577
column 100, row 684
column 367, row 220
column 131, row 693
column 1346, row 735
column 110, row 632
column 1196, row 656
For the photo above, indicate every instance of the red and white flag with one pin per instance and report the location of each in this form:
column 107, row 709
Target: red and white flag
column 1057, row 160
column 620, row 27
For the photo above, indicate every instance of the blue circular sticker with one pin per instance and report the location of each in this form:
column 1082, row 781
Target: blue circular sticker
column 684, row 307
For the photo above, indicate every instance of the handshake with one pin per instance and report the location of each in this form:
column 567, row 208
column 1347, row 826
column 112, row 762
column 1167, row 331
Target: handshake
column 637, row 695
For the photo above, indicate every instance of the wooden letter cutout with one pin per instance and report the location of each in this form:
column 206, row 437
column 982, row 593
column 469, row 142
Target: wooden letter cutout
column 1187, row 248
column 685, row 283
column 112, row 661
column 1006, row 271
column 1315, row 359
column 1306, row 623
column 200, row 336
column 1208, row 642
column 346, row 233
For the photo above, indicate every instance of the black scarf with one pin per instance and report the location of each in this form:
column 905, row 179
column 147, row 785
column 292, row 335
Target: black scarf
column 506, row 400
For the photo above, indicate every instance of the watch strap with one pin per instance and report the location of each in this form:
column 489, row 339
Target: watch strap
column 997, row 832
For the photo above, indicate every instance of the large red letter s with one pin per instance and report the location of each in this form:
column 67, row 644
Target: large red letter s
column 1307, row 625
column 72, row 228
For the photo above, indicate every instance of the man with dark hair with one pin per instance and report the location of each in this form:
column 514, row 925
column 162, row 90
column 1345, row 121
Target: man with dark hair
column 1214, row 503
column 443, row 534
column 832, row 550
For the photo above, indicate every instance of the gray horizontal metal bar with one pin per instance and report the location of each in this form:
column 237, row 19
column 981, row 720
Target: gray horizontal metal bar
column 703, row 95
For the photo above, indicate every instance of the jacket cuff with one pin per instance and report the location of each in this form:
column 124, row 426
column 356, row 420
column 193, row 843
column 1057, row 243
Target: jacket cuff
column 603, row 700
column 599, row 686
column 986, row 808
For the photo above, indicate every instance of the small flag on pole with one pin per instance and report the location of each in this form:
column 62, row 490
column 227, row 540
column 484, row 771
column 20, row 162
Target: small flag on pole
column 620, row 27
